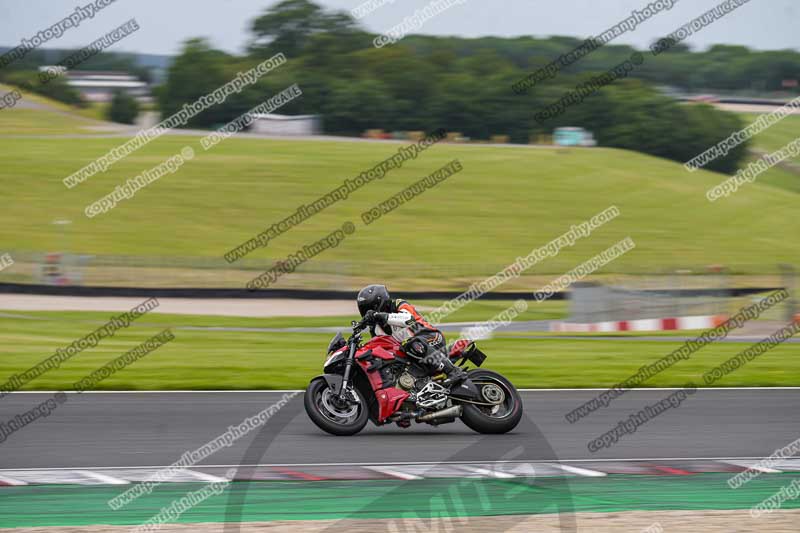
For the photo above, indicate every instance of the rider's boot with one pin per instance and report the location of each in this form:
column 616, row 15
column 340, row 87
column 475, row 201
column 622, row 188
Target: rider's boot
column 455, row 374
column 442, row 363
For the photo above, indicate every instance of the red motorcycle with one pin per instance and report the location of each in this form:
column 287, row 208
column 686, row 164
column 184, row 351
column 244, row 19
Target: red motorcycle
column 378, row 381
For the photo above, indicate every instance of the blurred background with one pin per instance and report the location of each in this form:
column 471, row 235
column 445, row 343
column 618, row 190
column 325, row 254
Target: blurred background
column 508, row 200
column 524, row 181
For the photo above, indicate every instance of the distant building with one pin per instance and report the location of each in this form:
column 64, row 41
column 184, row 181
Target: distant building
column 272, row 124
column 99, row 86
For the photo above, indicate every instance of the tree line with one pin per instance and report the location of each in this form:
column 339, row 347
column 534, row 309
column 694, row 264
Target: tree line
column 465, row 85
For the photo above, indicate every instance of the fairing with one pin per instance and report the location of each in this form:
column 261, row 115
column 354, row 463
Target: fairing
column 382, row 348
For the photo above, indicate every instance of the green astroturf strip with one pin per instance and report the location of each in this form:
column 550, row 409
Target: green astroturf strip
column 61, row 505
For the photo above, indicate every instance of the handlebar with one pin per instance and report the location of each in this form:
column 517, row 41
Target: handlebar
column 358, row 327
column 365, row 321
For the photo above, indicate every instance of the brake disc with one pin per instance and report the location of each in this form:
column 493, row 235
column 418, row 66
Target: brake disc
column 493, row 394
column 328, row 403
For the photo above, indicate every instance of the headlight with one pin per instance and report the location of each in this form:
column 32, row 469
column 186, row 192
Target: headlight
column 330, row 358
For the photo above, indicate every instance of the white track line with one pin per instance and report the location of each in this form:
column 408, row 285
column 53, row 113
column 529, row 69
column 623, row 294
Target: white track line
column 579, row 471
column 487, row 472
column 207, row 477
column 393, row 472
column 547, row 460
column 754, row 466
column 106, row 480
column 12, row 481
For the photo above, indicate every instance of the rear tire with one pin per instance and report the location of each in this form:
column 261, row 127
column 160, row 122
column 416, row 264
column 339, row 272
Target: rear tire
column 506, row 416
column 317, row 395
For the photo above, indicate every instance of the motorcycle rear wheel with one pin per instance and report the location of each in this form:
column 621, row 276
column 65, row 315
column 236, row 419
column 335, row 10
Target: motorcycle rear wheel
column 499, row 418
column 321, row 408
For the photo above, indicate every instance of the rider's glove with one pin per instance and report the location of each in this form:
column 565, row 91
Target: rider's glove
column 369, row 317
column 381, row 318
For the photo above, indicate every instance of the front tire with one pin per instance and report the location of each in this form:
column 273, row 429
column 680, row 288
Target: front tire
column 499, row 418
column 336, row 420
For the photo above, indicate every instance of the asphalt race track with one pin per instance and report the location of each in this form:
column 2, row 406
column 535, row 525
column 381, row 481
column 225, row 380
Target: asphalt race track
column 94, row 430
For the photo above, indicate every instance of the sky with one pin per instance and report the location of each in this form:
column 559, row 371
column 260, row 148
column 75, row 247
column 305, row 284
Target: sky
column 166, row 24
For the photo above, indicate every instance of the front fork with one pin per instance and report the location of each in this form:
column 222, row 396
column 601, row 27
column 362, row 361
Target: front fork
column 348, row 368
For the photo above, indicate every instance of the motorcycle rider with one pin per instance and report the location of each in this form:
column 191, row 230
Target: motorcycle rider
column 401, row 320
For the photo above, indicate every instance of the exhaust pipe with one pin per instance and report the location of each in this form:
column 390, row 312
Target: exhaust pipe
column 450, row 412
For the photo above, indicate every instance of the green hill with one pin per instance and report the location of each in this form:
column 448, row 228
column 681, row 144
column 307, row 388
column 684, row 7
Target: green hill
column 774, row 138
column 506, row 202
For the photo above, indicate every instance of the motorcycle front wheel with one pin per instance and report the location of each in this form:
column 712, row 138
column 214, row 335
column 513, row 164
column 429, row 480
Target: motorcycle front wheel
column 504, row 409
column 329, row 414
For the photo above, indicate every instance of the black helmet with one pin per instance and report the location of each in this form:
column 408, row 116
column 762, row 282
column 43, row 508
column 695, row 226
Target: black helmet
column 374, row 297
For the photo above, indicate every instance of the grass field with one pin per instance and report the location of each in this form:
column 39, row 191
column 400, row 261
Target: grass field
column 48, row 117
column 214, row 359
column 506, row 202
column 95, row 111
column 36, row 122
column 774, row 138
column 781, row 178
